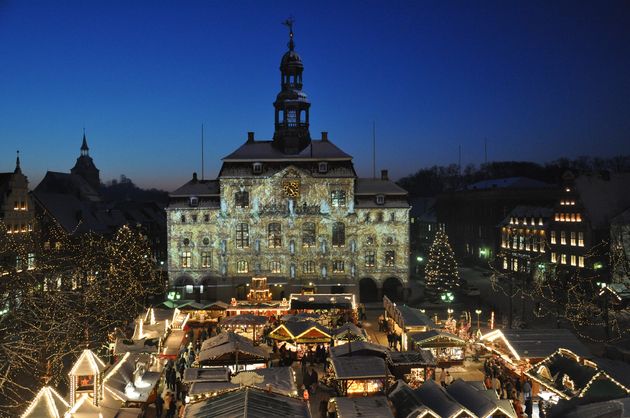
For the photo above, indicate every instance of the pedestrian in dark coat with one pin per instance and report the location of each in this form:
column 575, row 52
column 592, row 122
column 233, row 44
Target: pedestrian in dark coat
column 159, row 406
column 529, row 407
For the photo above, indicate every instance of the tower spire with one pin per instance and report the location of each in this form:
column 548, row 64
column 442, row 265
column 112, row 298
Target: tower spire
column 17, row 170
column 84, row 146
column 289, row 24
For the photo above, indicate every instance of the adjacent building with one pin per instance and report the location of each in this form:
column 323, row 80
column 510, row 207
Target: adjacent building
column 292, row 209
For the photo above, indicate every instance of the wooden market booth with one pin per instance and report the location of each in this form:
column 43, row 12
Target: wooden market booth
column 413, row 367
column 300, row 335
column 447, row 348
column 359, row 375
column 231, row 350
column 405, row 320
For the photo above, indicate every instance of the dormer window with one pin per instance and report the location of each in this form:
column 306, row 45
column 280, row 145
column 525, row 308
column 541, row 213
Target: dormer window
column 323, row 167
column 193, row 201
column 257, row 168
column 380, row 199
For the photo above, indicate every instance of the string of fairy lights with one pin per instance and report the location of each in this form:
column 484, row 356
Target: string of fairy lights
column 441, row 270
column 62, row 292
column 573, row 294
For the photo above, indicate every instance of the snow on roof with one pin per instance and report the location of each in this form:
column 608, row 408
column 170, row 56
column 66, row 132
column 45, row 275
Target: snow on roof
column 88, row 364
column 47, row 404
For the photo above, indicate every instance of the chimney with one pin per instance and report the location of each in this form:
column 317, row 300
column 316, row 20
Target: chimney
column 384, row 175
column 195, row 176
column 250, row 137
column 325, row 136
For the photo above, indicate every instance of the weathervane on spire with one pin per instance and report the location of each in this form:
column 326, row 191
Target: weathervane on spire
column 289, row 24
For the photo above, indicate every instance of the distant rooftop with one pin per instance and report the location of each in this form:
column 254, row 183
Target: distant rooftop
column 508, row 183
column 265, row 151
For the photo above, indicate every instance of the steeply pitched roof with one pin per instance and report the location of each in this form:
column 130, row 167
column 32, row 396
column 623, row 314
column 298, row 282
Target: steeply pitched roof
column 367, row 186
column 540, row 343
column 46, row 404
column 359, row 367
column 364, row 407
column 87, row 364
column 198, row 188
column 265, row 151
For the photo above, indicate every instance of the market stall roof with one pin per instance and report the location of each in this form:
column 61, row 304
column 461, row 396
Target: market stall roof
column 359, row 348
column 173, row 343
column 364, row 407
column 536, row 343
column 301, row 332
column 606, row 409
column 407, row 402
column 46, row 404
column 416, row 357
column 244, row 319
column 322, row 301
column 88, row 364
column 246, row 305
column 302, row 316
column 349, row 331
column 362, row 367
column 570, row 376
column 436, row 338
column 407, row 317
column 228, row 347
column 144, row 345
column 277, row 379
column 437, row 399
column 126, row 383
column 198, row 374
column 84, row 408
column 248, row 402
column 483, row 406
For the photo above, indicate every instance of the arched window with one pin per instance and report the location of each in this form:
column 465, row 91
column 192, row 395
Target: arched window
column 338, row 234
column 274, row 235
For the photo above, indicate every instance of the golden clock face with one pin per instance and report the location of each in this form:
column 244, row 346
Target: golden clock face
column 291, row 188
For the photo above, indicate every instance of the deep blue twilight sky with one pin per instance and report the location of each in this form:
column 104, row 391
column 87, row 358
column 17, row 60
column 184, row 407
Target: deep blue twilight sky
column 538, row 79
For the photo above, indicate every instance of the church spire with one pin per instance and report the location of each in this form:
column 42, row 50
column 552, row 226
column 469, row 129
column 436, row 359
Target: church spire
column 17, row 170
column 85, row 150
column 291, row 134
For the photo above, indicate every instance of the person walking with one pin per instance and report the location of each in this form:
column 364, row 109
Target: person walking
column 529, row 407
column 159, row 406
column 314, row 379
column 449, row 379
column 527, row 389
column 443, row 378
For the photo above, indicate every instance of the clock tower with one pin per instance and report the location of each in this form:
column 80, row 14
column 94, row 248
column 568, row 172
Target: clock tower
column 291, row 134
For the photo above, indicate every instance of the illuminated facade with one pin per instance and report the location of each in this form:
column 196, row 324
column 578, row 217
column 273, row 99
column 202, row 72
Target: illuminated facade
column 524, row 238
column 291, row 209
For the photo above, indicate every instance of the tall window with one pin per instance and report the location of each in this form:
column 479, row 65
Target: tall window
column 580, row 261
column 554, row 257
column 552, row 237
column 274, row 235
column 563, row 259
column 338, row 198
column 573, row 260
column 338, row 234
column 370, row 259
column 241, row 199
column 205, row 259
column 186, row 259
column 275, row 266
column 338, row 266
column 308, row 267
column 242, row 266
column 580, row 239
column 573, row 238
column 563, row 238
column 242, row 235
column 308, row 234
column 30, row 261
column 505, row 263
column 390, row 258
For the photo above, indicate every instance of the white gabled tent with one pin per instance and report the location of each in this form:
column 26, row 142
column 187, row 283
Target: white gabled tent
column 47, row 404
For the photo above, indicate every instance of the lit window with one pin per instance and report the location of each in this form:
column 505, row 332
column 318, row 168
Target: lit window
column 563, row 259
column 338, row 266
column 580, row 261
column 515, row 264
column 554, row 257
column 515, row 241
column 573, row 217
column 338, row 234
column 572, row 238
column 242, row 266
column 308, row 267
column 527, row 243
column 186, row 259
column 308, row 234
column 521, row 242
column 580, row 239
column 563, row 238
column 338, row 198
column 242, row 235
column 505, row 263
column 557, row 217
column 370, row 259
column 275, row 266
column 380, row 199
column 562, row 217
column 578, row 218
column 552, row 237
column 573, row 260
column 390, row 258
column 274, row 235
column 205, row 259
column 30, row 261
column 241, row 199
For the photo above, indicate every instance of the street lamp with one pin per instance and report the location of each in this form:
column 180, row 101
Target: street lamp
column 478, row 312
column 450, row 311
column 419, row 259
column 447, row 297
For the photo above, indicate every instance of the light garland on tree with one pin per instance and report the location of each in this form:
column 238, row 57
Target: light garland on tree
column 441, row 270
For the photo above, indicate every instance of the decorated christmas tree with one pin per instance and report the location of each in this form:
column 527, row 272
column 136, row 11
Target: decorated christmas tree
column 441, row 269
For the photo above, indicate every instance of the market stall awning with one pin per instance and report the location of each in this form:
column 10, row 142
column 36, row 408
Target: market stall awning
column 129, row 384
column 436, row 338
column 228, row 348
column 322, row 301
column 482, row 406
column 248, row 402
column 244, row 319
column 406, row 317
column 416, row 358
column 364, row 407
column 277, row 379
column 359, row 348
column 214, row 374
column 302, row 316
column 361, row 367
column 301, row 332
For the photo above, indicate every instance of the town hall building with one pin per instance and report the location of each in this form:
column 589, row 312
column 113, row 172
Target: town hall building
column 291, row 209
